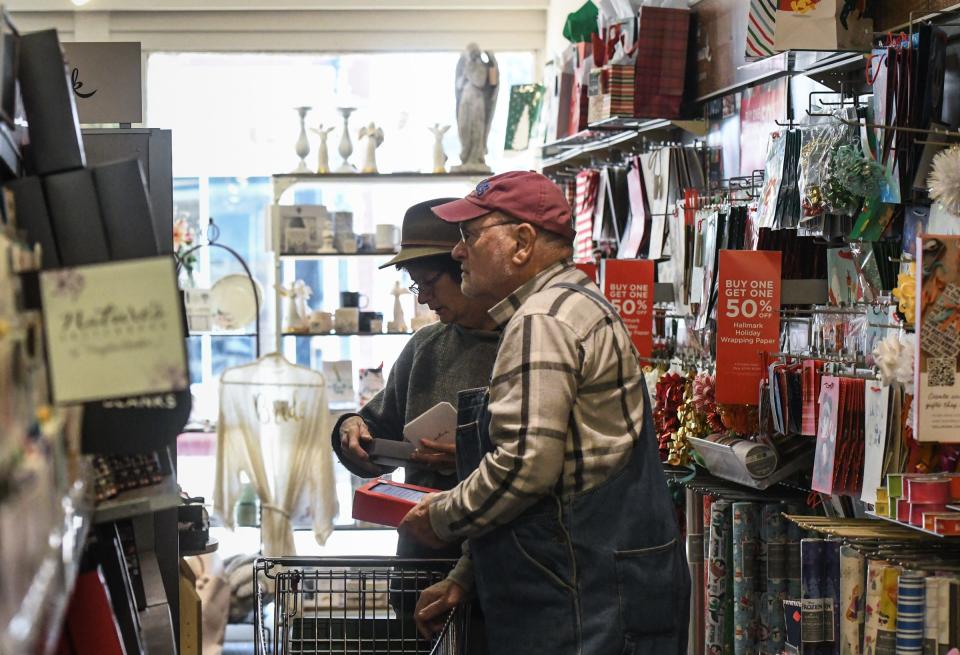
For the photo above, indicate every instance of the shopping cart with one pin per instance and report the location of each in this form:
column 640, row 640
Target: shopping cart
column 349, row 606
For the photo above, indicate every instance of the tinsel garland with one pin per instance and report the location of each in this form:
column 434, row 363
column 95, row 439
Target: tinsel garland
column 944, row 179
column 850, row 178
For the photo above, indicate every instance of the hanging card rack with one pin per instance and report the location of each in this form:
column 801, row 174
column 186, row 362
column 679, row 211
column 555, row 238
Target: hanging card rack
column 213, row 234
column 853, row 101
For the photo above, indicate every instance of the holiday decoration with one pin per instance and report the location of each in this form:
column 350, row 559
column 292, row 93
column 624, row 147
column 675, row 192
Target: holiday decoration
column 944, row 180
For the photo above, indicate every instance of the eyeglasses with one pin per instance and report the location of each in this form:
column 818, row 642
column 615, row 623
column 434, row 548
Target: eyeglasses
column 467, row 235
column 417, row 289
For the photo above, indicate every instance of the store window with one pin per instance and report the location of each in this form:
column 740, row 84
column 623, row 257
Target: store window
column 234, row 125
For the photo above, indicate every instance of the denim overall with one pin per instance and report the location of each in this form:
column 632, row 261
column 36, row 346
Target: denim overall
column 602, row 572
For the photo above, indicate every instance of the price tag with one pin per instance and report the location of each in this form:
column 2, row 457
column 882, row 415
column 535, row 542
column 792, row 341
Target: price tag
column 628, row 285
column 748, row 321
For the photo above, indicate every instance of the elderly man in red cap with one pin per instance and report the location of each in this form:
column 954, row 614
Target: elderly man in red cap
column 572, row 534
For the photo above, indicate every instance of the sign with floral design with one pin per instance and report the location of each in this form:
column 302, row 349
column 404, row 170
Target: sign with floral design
column 114, row 330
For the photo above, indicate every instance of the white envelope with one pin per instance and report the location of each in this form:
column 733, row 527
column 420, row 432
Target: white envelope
column 438, row 423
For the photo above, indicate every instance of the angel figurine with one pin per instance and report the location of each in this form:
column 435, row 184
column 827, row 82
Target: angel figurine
column 298, row 313
column 374, row 137
column 399, row 323
column 323, row 158
column 478, row 80
column 439, row 156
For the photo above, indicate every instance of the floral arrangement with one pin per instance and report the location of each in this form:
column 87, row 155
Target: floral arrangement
column 184, row 238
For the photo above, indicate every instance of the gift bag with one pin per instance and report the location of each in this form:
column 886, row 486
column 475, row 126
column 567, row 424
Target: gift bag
column 761, row 23
column 661, row 63
column 822, row 25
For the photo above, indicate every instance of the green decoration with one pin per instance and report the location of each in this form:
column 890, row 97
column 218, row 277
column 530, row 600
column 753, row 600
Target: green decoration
column 582, row 23
column 522, row 115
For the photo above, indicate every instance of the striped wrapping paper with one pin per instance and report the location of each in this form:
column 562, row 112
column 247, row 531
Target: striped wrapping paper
column 588, row 183
column 930, row 617
column 761, row 24
column 746, row 537
column 707, row 509
column 910, row 593
column 718, row 593
column 852, row 590
column 773, row 537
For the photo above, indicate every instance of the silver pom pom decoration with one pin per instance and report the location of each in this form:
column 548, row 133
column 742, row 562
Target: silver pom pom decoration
column 944, row 180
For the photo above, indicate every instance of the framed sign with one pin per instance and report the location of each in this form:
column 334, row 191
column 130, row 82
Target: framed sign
column 114, row 330
column 106, row 81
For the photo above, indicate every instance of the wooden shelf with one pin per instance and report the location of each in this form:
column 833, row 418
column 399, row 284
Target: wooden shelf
column 321, row 255
column 350, row 334
column 398, row 176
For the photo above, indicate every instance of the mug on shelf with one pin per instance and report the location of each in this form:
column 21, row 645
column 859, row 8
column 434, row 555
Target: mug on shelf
column 352, row 299
column 367, row 242
column 371, row 322
column 388, row 236
column 347, row 320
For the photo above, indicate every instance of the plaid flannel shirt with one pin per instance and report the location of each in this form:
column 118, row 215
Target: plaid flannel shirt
column 566, row 405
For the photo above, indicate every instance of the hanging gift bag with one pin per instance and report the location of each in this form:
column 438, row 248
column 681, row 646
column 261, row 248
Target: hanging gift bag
column 822, row 25
column 761, row 24
column 661, row 61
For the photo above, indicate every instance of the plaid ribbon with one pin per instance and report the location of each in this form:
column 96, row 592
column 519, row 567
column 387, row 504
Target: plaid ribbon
column 761, row 25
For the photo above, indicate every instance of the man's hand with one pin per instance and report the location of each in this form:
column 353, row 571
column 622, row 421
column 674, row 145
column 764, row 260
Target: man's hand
column 435, row 455
column 433, row 605
column 354, row 433
column 416, row 524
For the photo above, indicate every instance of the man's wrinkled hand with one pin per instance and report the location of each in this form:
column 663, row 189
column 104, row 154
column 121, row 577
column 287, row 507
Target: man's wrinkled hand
column 353, row 434
column 434, row 604
column 435, row 455
column 416, row 524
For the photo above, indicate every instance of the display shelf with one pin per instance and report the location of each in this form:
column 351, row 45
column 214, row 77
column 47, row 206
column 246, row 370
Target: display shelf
column 284, row 181
column 211, row 547
column 347, row 334
column 323, row 255
column 146, row 500
column 955, row 507
column 601, row 137
column 222, row 334
column 910, row 526
column 35, row 628
column 704, row 482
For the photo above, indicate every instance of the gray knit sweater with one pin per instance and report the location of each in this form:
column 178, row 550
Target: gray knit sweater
column 438, row 361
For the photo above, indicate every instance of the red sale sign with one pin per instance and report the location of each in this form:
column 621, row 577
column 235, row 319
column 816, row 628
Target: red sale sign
column 588, row 268
column 628, row 285
column 748, row 321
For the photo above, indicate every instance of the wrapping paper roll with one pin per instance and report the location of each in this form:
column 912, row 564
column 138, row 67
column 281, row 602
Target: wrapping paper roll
column 910, row 611
column 718, row 596
column 746, row 537
column 794, row 536
column 773, row 536
column 831, row 591
column 852, row 595
column 813, row 597
column 880, row 635
column 930, row 617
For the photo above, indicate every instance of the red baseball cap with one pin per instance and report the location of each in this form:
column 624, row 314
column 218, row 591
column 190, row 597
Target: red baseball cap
column 524, row 195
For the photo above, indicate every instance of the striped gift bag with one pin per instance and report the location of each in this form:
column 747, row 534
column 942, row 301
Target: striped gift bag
column 588, row 182
column 761, row 24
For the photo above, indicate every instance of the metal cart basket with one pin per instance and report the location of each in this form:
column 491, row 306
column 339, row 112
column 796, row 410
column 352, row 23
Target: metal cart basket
column 349, row 606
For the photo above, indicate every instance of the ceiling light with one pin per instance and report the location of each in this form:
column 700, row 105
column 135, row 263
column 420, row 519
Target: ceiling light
column 79, row 3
